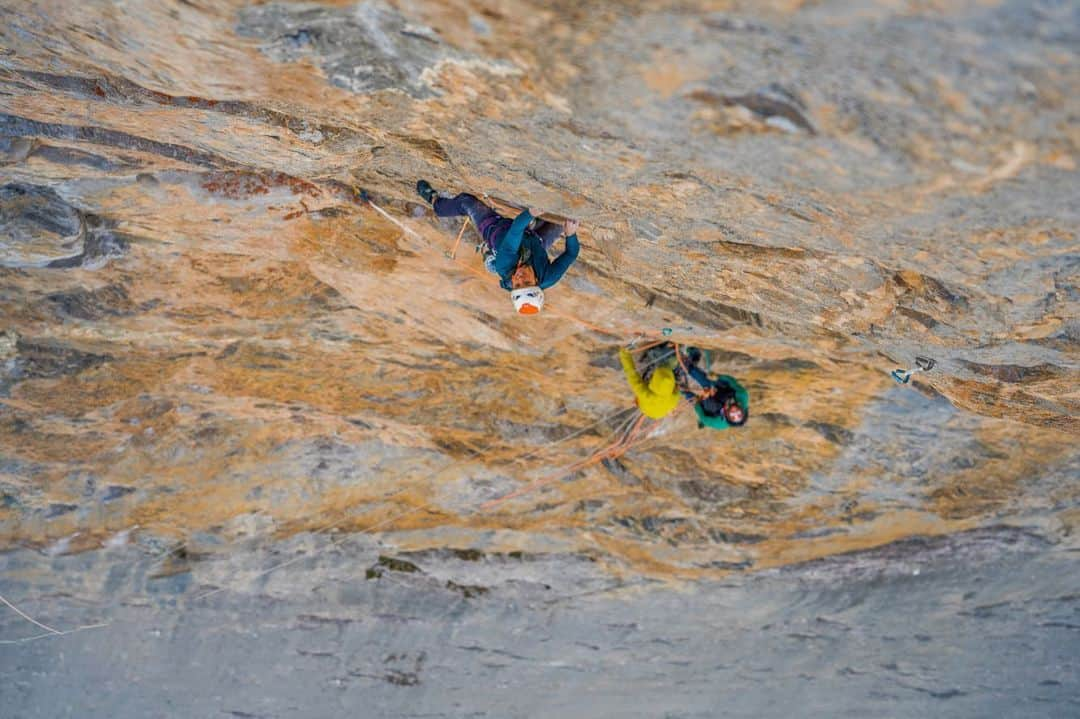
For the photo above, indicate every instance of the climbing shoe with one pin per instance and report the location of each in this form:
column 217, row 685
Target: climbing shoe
column 425, row 190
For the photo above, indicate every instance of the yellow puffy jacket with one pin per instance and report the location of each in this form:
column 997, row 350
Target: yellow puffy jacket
column 657, row 399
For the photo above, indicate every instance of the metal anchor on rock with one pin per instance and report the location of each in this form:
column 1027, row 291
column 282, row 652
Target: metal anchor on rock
column 922, row 364
column 667, row 331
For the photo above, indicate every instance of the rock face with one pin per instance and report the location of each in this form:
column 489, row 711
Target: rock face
column 970, row 625
column 211, row 346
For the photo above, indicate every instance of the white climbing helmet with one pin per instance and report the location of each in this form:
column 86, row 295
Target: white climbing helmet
column 528, row 300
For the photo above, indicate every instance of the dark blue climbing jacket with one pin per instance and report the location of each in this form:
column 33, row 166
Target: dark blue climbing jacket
column 521, row 243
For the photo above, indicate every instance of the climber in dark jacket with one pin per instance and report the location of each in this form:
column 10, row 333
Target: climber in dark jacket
column 517, row 254
column 725, row 402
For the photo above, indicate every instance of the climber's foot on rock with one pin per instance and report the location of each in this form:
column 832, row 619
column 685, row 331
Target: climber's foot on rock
column 425, row 190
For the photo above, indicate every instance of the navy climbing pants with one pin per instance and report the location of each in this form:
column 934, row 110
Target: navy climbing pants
column 491, row 225
column 487, row 221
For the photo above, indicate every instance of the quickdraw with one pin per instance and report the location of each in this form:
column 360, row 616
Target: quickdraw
column 922, row 364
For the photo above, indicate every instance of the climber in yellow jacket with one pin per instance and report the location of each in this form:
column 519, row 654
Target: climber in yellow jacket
column 660, row 396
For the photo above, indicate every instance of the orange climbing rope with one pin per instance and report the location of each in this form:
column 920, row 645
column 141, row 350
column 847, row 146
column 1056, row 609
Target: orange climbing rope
column 648, row 346
column 678, row 355
column 452, row 254
column 619, row 447
column 566, row 315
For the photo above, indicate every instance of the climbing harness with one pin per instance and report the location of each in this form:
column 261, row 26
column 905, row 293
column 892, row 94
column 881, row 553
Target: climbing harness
column 704, row 392
column 922, row 364
column 488, row 252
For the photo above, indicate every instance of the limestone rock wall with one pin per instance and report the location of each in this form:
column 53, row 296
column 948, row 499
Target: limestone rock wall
column 208, row 340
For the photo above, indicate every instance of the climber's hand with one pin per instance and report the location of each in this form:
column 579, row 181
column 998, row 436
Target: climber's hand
column 571, row 227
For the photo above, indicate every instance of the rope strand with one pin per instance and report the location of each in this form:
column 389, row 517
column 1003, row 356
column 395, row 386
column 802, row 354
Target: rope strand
column 49, row 631
column 28, row 618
